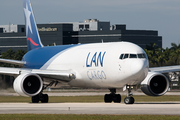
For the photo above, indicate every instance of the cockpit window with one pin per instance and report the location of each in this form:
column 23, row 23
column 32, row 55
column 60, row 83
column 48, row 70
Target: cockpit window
column 141, row 55
column 126, row 56
column 121, row 57
column 133, row 56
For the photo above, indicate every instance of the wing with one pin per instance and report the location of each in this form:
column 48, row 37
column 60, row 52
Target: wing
column 15, row 62
column 165, row 69
column 61, row 75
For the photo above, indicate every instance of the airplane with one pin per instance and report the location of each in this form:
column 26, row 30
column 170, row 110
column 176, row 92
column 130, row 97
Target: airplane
column 109, row 65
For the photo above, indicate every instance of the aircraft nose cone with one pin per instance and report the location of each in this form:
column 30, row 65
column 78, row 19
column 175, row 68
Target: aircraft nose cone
column 138, row 67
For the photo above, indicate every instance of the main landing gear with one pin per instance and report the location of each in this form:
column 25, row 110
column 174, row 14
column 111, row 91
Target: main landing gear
column 40, row 97
column 108, row 98
column 43, row 97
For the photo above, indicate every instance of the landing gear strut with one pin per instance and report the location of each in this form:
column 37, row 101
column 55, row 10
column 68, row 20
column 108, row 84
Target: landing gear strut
column 43, row 97
column 108, row 98
column 129, row 99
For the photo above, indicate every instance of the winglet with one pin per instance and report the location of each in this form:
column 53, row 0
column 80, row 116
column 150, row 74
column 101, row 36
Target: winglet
column 32, row 34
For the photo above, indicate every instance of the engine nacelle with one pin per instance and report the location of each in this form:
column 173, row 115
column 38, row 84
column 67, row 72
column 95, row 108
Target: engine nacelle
column 28, row 84
column 155, row 84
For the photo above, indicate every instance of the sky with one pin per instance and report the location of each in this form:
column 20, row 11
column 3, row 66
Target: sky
column 160, row 15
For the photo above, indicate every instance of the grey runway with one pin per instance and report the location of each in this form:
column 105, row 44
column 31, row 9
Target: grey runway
column 91, row 108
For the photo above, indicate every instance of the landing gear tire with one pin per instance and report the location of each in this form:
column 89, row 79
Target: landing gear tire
column 35, row 99
column 108, row 98
column 44, row 98
column 129, row 100
column 117, row 98
column 40, row 97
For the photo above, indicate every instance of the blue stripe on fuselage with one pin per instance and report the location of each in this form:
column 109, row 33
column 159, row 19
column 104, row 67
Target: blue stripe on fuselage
column 36, row 58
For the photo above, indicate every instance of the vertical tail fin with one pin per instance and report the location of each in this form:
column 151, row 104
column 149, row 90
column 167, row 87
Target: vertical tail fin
column 32, row 34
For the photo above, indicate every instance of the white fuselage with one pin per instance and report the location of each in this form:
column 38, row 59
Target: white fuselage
column 99, row 65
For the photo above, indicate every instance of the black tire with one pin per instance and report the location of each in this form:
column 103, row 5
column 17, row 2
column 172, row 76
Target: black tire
column 108, row 98
column 45, row 98
column 129, row 100
column 117, row 98
column 35, row 99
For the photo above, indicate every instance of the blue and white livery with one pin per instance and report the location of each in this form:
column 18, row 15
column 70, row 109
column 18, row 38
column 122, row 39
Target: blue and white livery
column 99, row 65
column 32, row 35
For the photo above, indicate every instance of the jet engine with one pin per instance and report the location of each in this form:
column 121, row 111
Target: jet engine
column 155, row 84
column 28, row 84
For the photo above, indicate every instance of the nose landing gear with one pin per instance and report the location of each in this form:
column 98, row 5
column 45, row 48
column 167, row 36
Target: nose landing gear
column 129, row 99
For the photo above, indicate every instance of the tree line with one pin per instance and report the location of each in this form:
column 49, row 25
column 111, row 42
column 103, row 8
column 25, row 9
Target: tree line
column 163, row 57
column 157, row 56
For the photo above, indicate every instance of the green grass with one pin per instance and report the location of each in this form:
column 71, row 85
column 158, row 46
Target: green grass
column 164, row 98
column 87, row 99
column 85, row 117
